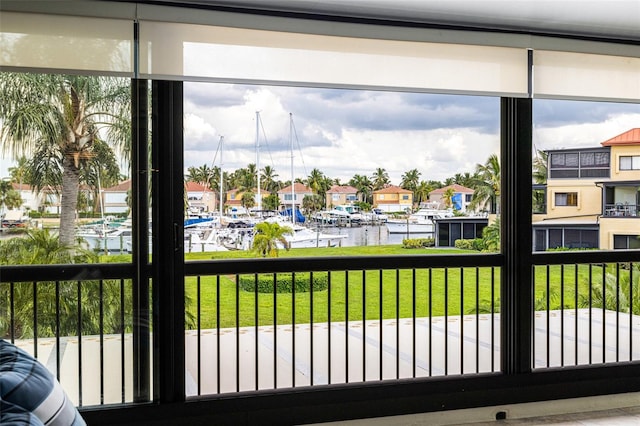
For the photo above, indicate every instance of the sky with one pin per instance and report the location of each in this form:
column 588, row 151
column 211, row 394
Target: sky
column 348, row 132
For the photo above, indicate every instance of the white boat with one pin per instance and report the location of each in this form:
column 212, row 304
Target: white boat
column 420, row 222
column 206, row 241
column 106, row 239
column 346, row 214
column 304, row 237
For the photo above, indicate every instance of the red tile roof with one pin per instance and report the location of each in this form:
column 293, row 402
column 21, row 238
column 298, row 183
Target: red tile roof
column 121, row 187
column 298, row 187
column 342, row 189
column 392, row 189
column 630, row 137
column 196, row 187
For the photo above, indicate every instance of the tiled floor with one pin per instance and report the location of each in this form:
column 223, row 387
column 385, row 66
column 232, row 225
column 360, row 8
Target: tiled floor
column 609, row 410
column 615, row 417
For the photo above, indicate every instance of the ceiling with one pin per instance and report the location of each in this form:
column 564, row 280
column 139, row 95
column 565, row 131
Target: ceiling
column 609, row 19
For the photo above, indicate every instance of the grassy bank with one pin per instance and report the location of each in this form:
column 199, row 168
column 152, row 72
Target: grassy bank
column 373, row 294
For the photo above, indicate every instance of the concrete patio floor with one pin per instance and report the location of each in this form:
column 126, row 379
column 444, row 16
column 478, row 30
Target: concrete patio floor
column 342, row 352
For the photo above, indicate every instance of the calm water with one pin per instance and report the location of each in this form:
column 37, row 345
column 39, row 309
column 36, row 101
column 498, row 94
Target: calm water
column 369, row 235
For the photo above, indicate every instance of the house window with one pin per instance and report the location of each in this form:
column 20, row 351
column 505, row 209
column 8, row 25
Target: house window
column 468, row 197
column 405, row 197
column 630, row 162
column 335, row 197
column 626, row 242
column 381, row 197
column 287, row 197
column 566, row 199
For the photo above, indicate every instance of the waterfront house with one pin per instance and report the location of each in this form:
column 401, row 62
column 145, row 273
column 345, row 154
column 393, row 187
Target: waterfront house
column 114, row 199
column 460, row 198
column 295, row 195
column 592, row 197
column 341, row 194
column 393, row 198
column 200, row 198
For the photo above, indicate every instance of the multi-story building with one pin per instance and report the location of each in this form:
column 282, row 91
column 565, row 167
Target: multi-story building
column 592, row 197
column 393, row 198
column 341, row 194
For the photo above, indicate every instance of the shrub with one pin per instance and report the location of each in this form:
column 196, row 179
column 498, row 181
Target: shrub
column 414, row 243
column 284, row 283
column 475, row 244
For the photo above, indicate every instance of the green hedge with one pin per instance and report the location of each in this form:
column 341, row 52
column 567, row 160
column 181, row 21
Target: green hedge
column 413, row 243
column 284, row 283
column 475, row 244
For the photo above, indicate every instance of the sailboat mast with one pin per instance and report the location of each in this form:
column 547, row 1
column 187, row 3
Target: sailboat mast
column 258, row 157
column 221, row 178
column 293, row 189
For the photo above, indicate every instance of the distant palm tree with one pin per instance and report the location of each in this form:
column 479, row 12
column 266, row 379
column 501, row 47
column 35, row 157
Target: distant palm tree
column 487, row 185
column 364, row 187
column 267, row 235
column 410, row 181
column 268, row 179
column 56, row 120
column 380, row 179
column 447, row 196
column 20, row 172
column 423, row 190
column 316, row 181
column 540, row 167
column 248, row 199
column 9, row 197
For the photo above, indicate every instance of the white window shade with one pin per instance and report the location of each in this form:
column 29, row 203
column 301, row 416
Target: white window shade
column 31, row 41
column 216, row 53
column 568, row 75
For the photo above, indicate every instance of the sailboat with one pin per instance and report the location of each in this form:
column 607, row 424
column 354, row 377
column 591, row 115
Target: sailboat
column 302, row 236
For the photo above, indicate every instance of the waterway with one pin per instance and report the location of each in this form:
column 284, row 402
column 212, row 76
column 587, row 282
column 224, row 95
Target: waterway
column 368, row 235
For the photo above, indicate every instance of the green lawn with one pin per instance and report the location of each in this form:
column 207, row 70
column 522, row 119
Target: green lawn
column 387, row 294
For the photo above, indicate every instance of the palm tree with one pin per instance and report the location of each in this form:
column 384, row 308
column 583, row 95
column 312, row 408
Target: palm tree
column 539, row 175
column 364, row 187
column 410, row 180
column 621, row 291
column 9, row 197
column 102, row 171
column 267, row 235
column 268, row 179
column 20, row 172
column 248, row 199
column 43, row 247
column 422, row 191
column 491, row 236
column 540, row 167
column 380, row 179
column 447, row 196
column 56, row 120
column 316, row 181
column 487, row 185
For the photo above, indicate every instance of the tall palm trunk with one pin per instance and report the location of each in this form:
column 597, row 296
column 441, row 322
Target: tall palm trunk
column 69, row 200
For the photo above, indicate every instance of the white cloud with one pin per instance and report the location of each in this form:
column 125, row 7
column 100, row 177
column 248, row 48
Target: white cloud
column 584, row 135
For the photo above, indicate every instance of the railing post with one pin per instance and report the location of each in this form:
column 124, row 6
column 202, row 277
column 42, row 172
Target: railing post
column 168, row 234
column 140, row 240
column 516, row 236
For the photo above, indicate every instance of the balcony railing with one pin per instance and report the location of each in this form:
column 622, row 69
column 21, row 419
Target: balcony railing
column 430, row 317
column 621, row 210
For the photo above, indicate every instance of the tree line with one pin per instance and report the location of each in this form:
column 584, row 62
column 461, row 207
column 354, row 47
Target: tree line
column 485, row 181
